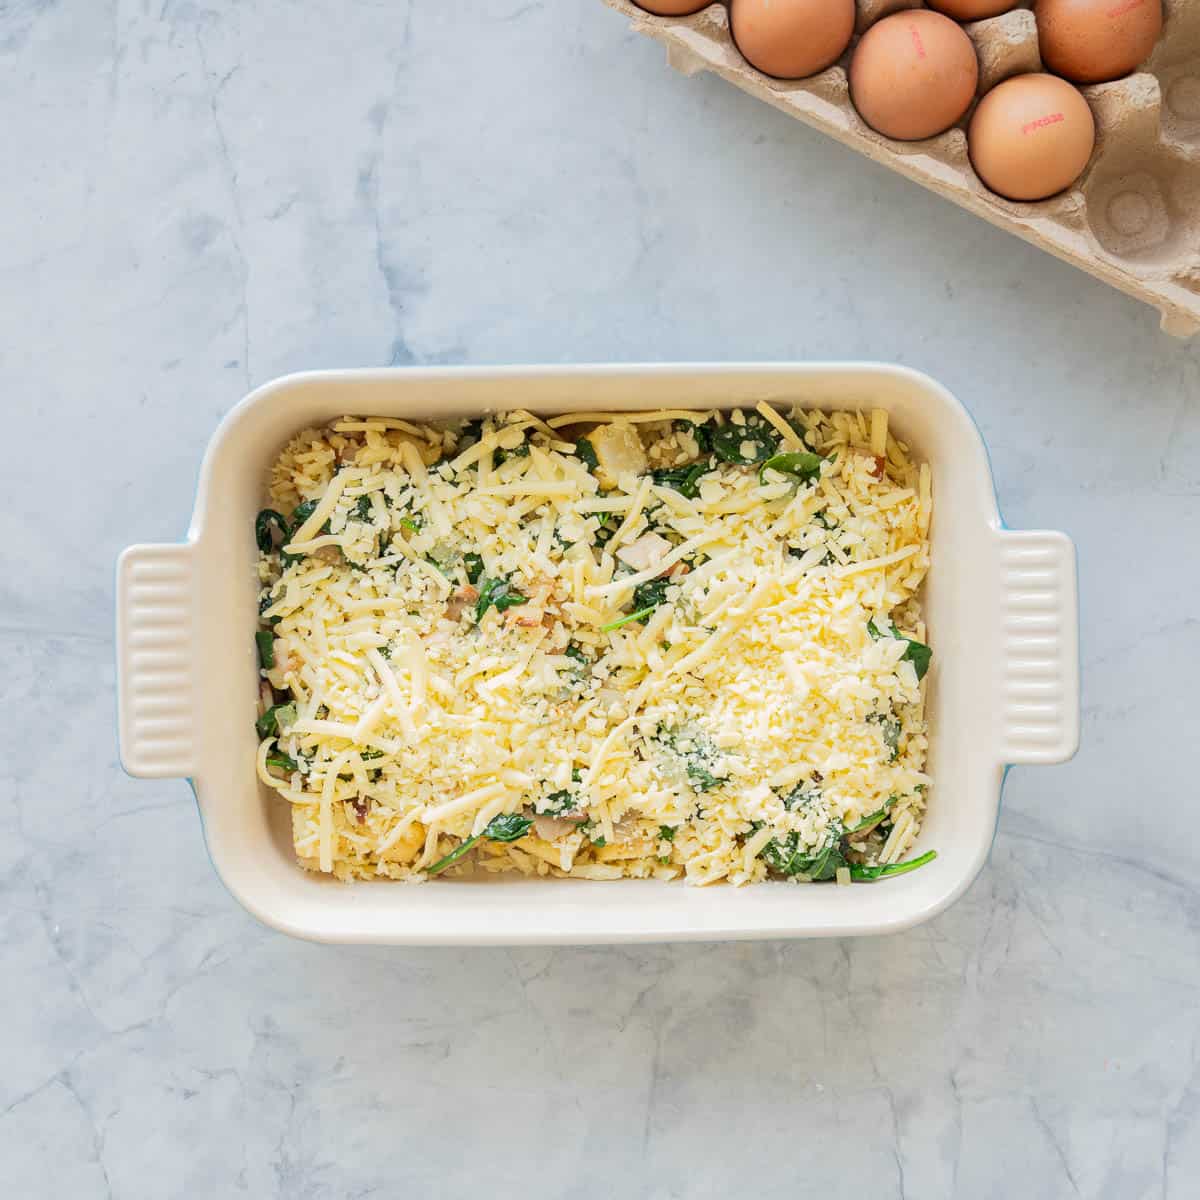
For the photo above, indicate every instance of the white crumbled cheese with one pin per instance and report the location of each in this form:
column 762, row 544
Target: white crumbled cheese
column 451, row 631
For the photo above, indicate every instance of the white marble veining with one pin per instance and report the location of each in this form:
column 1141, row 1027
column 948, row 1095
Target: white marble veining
column 201, row 194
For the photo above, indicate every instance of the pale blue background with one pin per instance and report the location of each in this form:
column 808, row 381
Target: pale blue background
column 199, row 196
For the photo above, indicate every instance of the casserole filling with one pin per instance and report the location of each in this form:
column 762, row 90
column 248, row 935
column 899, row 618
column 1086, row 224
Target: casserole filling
column 674, row 645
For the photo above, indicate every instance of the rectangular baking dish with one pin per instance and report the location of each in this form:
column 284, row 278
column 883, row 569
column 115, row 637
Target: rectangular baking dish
column 1000, row 608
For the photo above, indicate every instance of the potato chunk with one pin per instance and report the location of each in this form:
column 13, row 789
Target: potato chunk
column 618, row 452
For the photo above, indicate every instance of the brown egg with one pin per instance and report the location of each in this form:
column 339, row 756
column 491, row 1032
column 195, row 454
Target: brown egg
column 972, row 10
column 791, row 39
column 1092, row 41
column 1031, row 137
column 673, row 8
column 913, row 75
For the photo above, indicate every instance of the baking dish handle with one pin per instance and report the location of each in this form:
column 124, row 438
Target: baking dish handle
column 156, row 682
column 1039, row 639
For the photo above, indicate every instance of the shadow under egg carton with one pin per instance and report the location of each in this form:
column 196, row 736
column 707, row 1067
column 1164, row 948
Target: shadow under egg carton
column 1132, row 219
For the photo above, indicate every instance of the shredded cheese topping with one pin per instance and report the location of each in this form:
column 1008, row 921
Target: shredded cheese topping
column 643, row 654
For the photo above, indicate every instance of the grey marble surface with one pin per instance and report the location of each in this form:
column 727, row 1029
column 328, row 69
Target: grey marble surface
column 201, row 195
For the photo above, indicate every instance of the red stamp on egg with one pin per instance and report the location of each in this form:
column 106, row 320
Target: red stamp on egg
column 918, row 45
column 1119, row 10
column 1042, row 122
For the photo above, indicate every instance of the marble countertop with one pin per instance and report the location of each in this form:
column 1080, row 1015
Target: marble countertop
column 200, row 195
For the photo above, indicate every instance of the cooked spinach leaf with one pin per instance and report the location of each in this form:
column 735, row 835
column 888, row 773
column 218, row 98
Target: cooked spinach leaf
column 275, row 720
column 754, row 442
column 802, row 465
column 507, row 827
column 586, row 829
column 473, row 565
column 652, row 593
column 282, row 762
column 470, row 433
column 585, row 451
column 786, row 857
column 890, row 727
column 870, row 874
column 640, row 615
column 266, row 648
column 800, row 796
column 264, row 602
column 557, row 803
column 267, row 525
column 699, row 756
column 500, row 456
column 685, row 480
column 458, row 852
column 302, row 512
column 497, row 594
column 701, row 431
column 917, row 653
column 872, row 819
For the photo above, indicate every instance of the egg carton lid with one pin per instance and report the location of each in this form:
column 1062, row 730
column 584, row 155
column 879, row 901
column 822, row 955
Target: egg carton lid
column 1132, row 219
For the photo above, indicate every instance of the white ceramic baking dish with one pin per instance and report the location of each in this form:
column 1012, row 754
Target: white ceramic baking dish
column 1000, row 607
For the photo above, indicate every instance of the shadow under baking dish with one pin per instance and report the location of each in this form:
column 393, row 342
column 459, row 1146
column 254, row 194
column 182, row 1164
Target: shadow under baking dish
column 1000, row 608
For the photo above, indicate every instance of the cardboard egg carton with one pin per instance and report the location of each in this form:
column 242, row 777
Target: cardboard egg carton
column 1133, row 217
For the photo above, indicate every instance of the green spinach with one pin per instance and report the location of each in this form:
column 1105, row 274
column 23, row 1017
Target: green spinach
column 698, row 755
column 652, row 593
column 917, row 653
column 470, row 433
column 890, row 728
column 500, row 456
column 473, row 565
column 266, row 648
column 497, row 594
column 870, row 874
column 802, row 465
column 265, row 601
column 586, row 452
column 275, row 720
column 507, row 827
column 267, row 525
column 557, row 803
column 745, row 445
column 646, row 598
column 302, row 512
column 586, row 829
column 801, row 796
column 872, row 819
column 639, row 615
column 685, row 480
column 786, row 857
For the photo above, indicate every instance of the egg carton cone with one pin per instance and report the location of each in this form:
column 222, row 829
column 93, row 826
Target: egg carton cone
column 1132, row 218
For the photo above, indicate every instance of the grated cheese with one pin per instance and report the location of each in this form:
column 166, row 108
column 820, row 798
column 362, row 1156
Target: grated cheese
column 429, row 706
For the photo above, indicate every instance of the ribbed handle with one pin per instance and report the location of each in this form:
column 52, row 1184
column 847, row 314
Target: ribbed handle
column 1039, row 632
column 156, row 684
